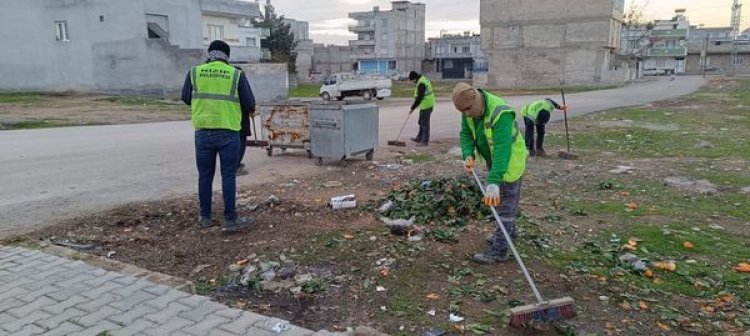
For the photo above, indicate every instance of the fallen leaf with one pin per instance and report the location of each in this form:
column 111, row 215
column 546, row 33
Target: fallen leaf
column 632, row 206
column 688, row 245
column 632, row 242
column 708, row 309
column 648, row 273
column 348, row 236
column 642, row 305
column 625, row 193
column 663, row 326
column 625, row 306
column 628, row 247
column 726, row 298
column 666, row 265
column 385, row 272
column 742, row 267
column 433, row 297
column 658, row 281
column 130, row 229
column 242, row 262
column 459, row 327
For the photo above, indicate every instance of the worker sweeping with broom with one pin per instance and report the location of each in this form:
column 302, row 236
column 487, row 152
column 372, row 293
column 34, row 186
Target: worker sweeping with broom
column 536, row 115
column 488, row 129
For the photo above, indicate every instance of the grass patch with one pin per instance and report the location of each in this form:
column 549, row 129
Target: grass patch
column 20, row 97
column 305, row 90
column 43, row 123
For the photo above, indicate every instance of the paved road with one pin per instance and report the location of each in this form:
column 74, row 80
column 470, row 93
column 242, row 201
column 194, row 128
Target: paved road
column 47, row 174
column 45, row 294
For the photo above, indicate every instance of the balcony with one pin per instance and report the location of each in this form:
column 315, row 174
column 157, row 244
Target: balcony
column 669, row 33
column 230, row 8
column 355, row 43
column 671, row 52
column 361, row 28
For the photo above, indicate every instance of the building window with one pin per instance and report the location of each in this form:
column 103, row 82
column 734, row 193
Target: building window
column 392, row 65
column 61, row 30
column 467, row 49
column 215, row 32
column 671, row 44
column 455, row 49
column 737, row 60
column 251, row 42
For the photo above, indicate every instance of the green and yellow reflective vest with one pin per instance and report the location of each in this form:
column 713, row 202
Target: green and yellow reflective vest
column 495, row 108
column 532, row 110
column 215, row 101
column 428, row 101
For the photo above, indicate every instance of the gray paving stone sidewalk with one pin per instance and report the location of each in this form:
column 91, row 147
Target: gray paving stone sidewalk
column 42, row 294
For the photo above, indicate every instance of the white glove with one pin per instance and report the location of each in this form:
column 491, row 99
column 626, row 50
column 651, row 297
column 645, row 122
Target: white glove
column 492, row 195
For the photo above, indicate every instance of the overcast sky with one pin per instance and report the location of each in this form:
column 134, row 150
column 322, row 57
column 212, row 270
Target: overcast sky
column 329, row 20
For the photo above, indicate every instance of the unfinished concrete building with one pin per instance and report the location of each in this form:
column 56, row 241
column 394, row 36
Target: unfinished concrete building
column 536, row 43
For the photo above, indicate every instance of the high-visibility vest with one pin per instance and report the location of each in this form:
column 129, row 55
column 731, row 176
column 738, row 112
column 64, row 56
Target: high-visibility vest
column 518, row 152
column 428, row 101
column 532, row 110
column 215, row 101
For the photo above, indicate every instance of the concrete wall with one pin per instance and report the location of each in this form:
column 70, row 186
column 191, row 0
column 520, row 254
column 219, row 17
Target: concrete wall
column 108, row 49
column 328, row 59
column 538, row 42
column 269, row 81
column 719, row 64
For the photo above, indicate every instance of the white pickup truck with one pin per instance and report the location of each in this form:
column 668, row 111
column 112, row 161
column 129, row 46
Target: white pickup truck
column 343, row 85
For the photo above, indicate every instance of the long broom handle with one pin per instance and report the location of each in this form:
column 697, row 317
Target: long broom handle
column 255, row 132
column 402, row 127
column 565, row 114
column 510, row 243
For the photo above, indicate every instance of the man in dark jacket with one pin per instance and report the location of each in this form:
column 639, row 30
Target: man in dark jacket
column 219, row 96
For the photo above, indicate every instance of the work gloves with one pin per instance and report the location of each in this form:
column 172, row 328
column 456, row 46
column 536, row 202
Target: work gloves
column 469, row 164
column 492, row 195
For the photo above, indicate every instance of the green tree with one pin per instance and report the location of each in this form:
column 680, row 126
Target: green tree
column 280, row 42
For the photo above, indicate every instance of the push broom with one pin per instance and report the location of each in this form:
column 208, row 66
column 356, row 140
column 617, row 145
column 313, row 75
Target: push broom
column 547, row 311
column 396, row 142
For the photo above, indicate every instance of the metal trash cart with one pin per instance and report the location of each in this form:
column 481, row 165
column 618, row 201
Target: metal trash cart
column 341, row 130
column 285, row 125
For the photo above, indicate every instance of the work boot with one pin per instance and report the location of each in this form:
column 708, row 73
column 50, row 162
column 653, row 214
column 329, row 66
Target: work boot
column 205, row 222
column 237, row 225
column 541, row 152
column 241, row 171
column 491, row 256
column 423, row 144
column 417, row 140
column 532, row 153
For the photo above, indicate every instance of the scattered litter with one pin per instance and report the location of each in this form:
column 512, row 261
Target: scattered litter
column 380, row 289
column 111, row 254
column 431, row 312
column 272, row 200
column 639, row 265
column 433, row 297
column 631, row 206
column 426, row 183
column 348, row 236
column 390, row 166
column 296, row 290
column 688, row 245
column 280, row 327
column 628, row 258
column 666, row 265
column 253, row 207
column 603, row 298
column 455, row 318
column 398, row 226
column 742, row 267
column 622, row 170
column 198, row 269
column 385, row 272
column 72, row 245
column 302, row 279
column 333, row 184
column 343, row 202
column 383, row 308
column 716, row 227
column 386, row 206
column 268, row 275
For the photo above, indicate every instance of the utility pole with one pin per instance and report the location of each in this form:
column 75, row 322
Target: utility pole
column 704, row 57
column 736, row 18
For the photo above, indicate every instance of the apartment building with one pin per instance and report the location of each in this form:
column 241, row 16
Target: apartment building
column 717, row 52
column 304, row 49
column 389, row 41
column 231, row 21
column 330, row 59
column 456, row 56
column 539, row 42
column 668, row 44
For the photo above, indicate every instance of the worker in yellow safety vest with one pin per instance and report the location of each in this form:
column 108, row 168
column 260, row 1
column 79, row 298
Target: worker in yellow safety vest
column 221, row 100
column 489, row 131
column 424, row 100
column 536, row 115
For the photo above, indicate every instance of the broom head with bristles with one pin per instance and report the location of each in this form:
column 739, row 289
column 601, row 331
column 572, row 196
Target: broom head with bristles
column 550, row 311
column 396, row 143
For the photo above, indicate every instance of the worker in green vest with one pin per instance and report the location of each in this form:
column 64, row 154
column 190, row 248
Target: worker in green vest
column 536, row 115
column 489, row 132
column 220, row 97
column 424, row 100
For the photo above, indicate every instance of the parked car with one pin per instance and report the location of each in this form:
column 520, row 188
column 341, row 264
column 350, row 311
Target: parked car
column 654, row 72
column 342, row 85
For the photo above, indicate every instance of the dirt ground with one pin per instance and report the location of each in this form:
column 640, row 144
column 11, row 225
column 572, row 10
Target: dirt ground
column 576, row 216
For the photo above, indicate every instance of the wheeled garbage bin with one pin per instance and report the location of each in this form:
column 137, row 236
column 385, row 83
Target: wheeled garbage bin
column 339, row 131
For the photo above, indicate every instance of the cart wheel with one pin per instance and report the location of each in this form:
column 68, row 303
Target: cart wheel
column 283, row 149
column 269, row 151
column 369, row 155
column 343, row 161
column 309, row 154
column 319, row 161
column 367, row 94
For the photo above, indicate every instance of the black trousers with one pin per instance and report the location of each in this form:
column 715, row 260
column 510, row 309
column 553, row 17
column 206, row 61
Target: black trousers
column 424, row 125
column 530, row 126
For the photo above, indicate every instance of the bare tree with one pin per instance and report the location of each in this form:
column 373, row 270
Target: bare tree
column 637, row 35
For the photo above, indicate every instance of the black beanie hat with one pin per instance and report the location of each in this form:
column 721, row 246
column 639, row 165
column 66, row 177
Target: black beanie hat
column 220, row 46
column 413, row 75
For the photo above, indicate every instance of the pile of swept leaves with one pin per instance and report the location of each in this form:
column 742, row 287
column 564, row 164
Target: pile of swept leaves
column 443, row 201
